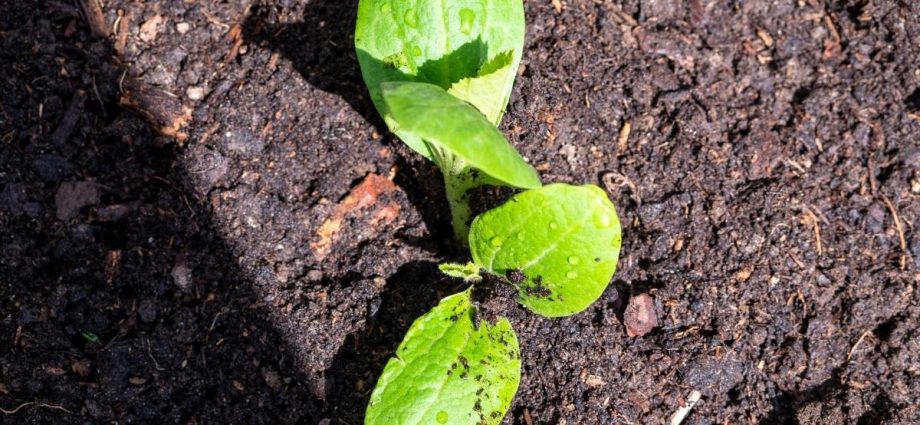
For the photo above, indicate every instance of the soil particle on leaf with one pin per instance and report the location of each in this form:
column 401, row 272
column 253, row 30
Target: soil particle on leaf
column 536, row 288
column 515, row 276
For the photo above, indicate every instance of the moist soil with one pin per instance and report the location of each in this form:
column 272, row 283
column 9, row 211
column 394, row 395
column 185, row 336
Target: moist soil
column 203, row 220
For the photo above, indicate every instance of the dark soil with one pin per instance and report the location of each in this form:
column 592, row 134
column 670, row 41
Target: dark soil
column 188, row 232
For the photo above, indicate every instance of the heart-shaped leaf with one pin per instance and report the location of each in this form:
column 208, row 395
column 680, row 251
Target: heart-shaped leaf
column 448, row 371
column 561, row 241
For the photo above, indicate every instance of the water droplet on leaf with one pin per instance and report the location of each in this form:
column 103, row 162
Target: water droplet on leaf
column 553, row 225
column 573, row 260
column 385, row 7
column 572, row 274
column 441, row 417
column 467, row 16
column 496, row 241
column 411, row 18
column 416, row 51
column 520, row 236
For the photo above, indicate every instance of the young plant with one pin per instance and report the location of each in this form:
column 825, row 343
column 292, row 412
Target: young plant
column 468, row 52
column 440, row 73
column 559, row 246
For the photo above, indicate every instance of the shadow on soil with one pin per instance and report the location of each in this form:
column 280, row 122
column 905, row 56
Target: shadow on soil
column 330, row 66
column 120, row 301
column 333, row 67
column 825, row 403
column 413, row 290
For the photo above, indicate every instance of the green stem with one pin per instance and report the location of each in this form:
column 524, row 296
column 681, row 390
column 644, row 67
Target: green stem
column 458, row 197
column 458, row 180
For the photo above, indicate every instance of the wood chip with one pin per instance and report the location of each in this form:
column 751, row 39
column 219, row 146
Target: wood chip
column 624, row 136
column 640, row 316
column 364, row 196
column 594, row 381
column 163, row 110
column 765, row 37
column 832, row 47
column 95, row 18
column 71, row 197
column 150, row 28
column 81, row 367
column 557, row 5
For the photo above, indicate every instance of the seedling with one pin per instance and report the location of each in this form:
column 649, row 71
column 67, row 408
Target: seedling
column 467, row 52
column 559, row 246
column 440, row 73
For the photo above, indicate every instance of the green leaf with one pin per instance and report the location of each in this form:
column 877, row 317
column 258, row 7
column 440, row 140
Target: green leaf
column 439, row 42
column 448, row 371
column 451, row 125
column 480, row 90
column 564, row 239
column 469, row 272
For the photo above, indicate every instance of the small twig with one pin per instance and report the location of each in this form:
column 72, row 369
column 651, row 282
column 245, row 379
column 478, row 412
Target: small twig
column 859, row 341
column 905, row 256
column 214, row 20
column 34, row 403
column 150, row 353
column 815, row 224
column 527, row 418
column 98, row 96
column 682, row 413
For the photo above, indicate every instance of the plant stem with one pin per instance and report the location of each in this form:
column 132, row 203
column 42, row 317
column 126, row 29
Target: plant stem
column 458, row 180
column 457, row 187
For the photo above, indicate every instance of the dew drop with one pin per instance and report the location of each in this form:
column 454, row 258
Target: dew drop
column 411, row 18
column 553, row 225
column 467, row 16
column 520, row 236
column 572, row 274
column 496, row 241
column 385, row 7
column 573, row 260
column 441, row 417
column 416, row 51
